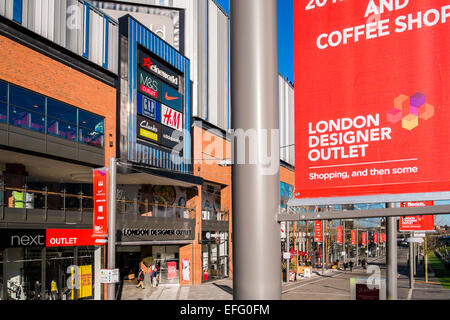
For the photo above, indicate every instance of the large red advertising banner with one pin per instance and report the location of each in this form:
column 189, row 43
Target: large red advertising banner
column 339, row 235
column 371, row 94
column 364, row 239
column 318, row 231
column 354, row 238
column 375, row 237
column 417, row 223
column 100, row 181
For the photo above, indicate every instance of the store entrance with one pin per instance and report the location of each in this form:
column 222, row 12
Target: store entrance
column 167, row 259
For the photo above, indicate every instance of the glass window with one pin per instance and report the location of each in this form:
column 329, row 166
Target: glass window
column 90, row 121
column 61, row 129
column 3, row 91
column 91, row 137
column 26, row 99
column 61, row 111
column 3, row 112
column 26, row 119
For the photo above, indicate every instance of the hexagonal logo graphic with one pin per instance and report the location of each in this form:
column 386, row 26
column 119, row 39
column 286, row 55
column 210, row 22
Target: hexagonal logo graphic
column 409, row 110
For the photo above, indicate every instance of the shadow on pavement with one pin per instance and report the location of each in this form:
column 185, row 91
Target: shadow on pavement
column 227, row 289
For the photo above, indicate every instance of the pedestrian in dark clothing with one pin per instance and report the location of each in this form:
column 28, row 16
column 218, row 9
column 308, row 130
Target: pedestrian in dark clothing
column 37, row 290
column 351, row 265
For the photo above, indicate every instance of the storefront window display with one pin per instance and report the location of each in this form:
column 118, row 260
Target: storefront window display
column 215, row 255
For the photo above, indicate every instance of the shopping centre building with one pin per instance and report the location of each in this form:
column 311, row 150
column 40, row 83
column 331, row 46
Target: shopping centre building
column 147, row 83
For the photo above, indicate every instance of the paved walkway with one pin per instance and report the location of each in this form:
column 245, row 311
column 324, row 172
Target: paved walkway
column 334, row 285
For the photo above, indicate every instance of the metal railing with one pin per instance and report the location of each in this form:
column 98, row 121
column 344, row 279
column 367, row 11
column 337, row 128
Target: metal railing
column 145, row 208
column 215, row 215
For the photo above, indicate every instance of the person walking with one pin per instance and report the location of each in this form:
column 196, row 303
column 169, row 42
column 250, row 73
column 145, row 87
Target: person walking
column 53, row 289
column 351, row 265
column 141, row 279
column 37, row 290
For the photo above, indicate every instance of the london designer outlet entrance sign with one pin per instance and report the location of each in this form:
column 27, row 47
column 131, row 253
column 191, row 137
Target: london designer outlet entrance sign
column 372, row 97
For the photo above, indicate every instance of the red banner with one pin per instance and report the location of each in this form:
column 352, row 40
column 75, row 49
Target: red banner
column 375, row 237
column 364, row 239
column 70, row 238
column 371, row 97
column 354, row 238
column 339, row 235
column 318, row 231
column 171, row 270
column 100, row 225
column 417, row 223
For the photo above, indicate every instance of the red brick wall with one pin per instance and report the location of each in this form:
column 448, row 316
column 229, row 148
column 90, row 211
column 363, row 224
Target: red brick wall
column 29, row 69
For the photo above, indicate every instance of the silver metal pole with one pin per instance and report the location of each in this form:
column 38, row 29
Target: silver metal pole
column 343, row 241
column 391, row 259
column 415, row 249
column 323, row 247
column 111, row 291
column 287, row 249
column 256, row 191
column 411, row 265
column 357, row 242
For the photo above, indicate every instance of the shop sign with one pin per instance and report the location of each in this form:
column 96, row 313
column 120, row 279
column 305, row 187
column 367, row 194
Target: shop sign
column 100, row 182
column 375, row 237
column 339, row 235
column 148, row 129
column 160, row 230
column 371, row 97
column 170, row 138
column 149, row 108
column 22, row 238
column 318, row 231
column 417, row 223
column 149, row 85
column 158, row 68
column 70, row 238
column 171, row 118
column 171, row 270
column 85, row 290
column 172, row 98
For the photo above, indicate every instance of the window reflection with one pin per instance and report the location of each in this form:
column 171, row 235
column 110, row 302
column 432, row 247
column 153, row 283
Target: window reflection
column 61, row 129
column 61, row 111
column 3, row 112
column 3, row 91
column 26, row 99
column 26, row 119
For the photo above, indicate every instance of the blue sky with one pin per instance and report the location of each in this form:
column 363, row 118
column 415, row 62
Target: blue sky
column 285, row 36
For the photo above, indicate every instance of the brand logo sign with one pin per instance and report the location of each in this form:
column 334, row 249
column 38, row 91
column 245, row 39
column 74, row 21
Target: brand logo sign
column 357, row 140
column 149, row 85
column 158, row 68
column 364, row 239
column 148, row 129
column 149, row 108
column 100, row 181
column 172, row 98
column 20, row 238
column 354, row 238
column 171, row 118
column 417, row 223
column 170, row 137
column 318, row 231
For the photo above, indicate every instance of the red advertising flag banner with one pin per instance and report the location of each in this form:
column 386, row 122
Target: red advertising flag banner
column 364, row 239
column 354, row 238
column 70, row 238
column 368, row 121
column 375, row 237
column 417, row 223
column 100, row 181
column 318, row 231
column 339, row 235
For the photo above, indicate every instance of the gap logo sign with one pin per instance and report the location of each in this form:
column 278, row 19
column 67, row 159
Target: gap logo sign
column 171, row 118
column 172, row 98
column 149, row 108
column 149, row 85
